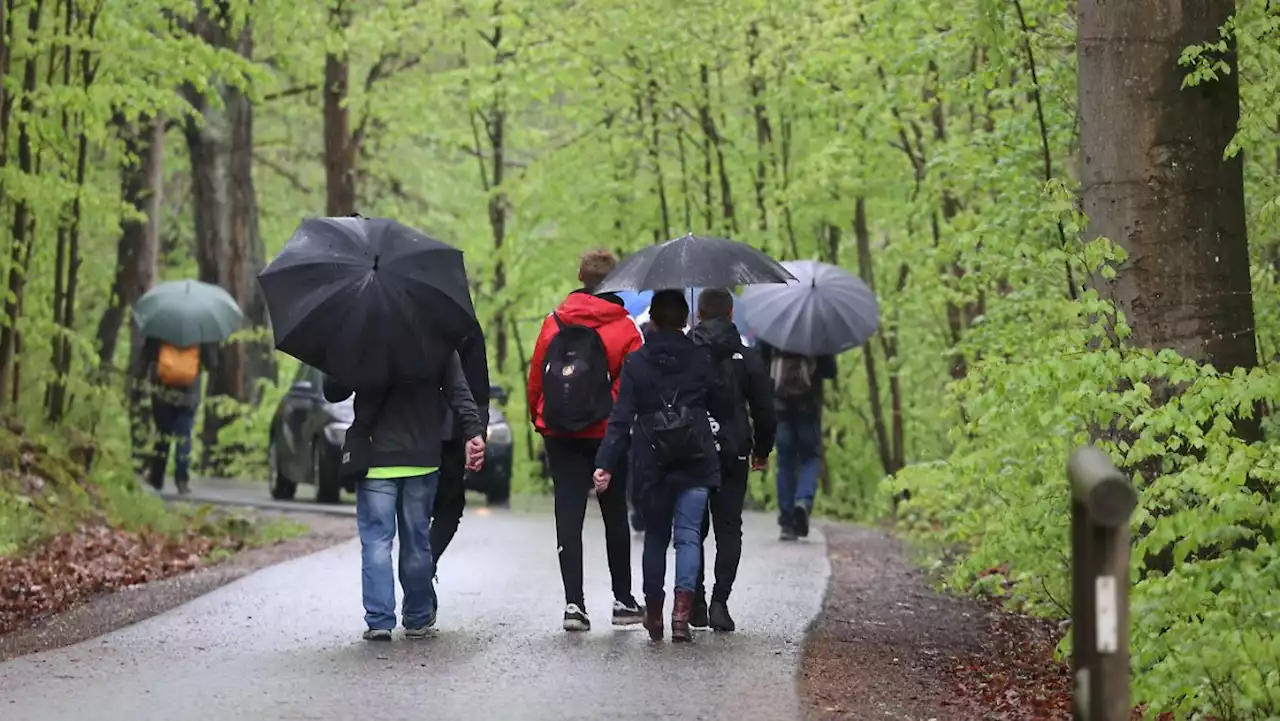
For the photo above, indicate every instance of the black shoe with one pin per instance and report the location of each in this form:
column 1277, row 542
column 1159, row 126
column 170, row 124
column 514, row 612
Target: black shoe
column 698, row 615
column 627, row 613
column 800, row 519
column 787, row 534
column 184, row 488
column 720, row 618
column 575, row 618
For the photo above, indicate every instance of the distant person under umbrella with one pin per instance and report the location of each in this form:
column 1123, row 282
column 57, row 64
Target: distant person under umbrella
column 797, row 384
column 181, row 321
column 667, row 390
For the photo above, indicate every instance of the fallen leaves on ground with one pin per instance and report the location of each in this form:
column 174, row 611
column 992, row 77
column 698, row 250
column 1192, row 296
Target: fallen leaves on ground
column 1016, row 676
column 73, row 567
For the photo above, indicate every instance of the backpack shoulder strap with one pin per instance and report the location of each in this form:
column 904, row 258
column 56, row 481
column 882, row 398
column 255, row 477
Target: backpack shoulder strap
column 560, row 324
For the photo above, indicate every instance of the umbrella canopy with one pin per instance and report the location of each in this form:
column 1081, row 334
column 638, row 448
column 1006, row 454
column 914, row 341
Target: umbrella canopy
column 694, row 261
column 187, row 313
column 368, row 301
column 825, row 311
column 636, row 302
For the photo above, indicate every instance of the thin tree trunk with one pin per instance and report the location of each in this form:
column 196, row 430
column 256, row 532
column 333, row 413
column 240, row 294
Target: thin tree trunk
column 890, row 442
column 655, row 157
column 1185, row 284
column 714, row 143
column 6, row 98
column 764, row 133
column 496, row 128
column 339, row 148
column 142, row 187
column 684, row 182
column 792, row 242
column 21, row 238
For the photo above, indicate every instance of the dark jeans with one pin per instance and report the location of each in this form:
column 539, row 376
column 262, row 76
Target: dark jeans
column 573, row 461
column 724, row 514
column 173, row 423
column 451, row 496
column 799, row 451
column 677, row 519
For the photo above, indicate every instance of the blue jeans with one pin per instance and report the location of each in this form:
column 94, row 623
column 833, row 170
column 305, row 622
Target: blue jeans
column 799, row 448
column 381, row 505
column 684, row 514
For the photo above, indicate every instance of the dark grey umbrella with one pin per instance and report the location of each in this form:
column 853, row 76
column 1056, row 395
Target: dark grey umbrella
column 824, row 311
column 694, row 261
column 368, row 301
column 187, row 313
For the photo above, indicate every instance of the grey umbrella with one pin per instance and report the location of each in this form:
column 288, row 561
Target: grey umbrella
column 824, row 311
column 187, row 313
column 694, row 261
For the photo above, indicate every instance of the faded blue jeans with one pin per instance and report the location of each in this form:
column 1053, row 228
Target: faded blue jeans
column 799, row 448
column 683, row 514
column 381, row 505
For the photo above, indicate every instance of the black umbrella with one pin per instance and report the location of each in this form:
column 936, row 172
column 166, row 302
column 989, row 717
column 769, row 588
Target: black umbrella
column 824, row 311
column 694, row 261
column 368, row 301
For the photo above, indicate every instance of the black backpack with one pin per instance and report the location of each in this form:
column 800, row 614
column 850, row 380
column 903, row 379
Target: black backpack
column 676, row 433
column 577, row 391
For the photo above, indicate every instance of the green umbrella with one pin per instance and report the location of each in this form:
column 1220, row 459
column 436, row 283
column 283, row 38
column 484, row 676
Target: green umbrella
column 187, row 312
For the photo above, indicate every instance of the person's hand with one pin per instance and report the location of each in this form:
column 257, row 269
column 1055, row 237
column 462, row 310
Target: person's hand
column 602, row 478
column 475, row 454
column 759, row 463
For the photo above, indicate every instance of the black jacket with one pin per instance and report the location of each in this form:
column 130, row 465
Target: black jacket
column 408, row 428
column 669, row 366
column 475, row 368
column 748, row 384
column 809, row 404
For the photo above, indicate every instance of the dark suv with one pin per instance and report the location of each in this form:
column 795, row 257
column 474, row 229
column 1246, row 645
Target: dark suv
column 307, row 434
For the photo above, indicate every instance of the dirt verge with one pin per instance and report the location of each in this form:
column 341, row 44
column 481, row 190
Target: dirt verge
column 110, row 611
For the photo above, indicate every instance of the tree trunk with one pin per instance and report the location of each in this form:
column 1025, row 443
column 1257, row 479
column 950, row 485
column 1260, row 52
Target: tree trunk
column 713, row 143
column 496, row 125
column 229, row 250
column 142, row 187
column 764, row 133
column 655, row 157
column 1155, row 182
column 20, row 240
column 339, row 146
column 889, row 433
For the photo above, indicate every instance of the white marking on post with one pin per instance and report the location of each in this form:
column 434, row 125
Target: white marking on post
column 1104, row 589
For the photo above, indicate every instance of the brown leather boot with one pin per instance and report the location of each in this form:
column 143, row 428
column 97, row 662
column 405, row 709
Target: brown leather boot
column 680, row 631
column 653, row 617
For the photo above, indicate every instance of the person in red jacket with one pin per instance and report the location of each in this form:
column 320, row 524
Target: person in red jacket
column 573, row 382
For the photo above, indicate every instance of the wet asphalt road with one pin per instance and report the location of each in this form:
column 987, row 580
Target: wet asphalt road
column 283, row 643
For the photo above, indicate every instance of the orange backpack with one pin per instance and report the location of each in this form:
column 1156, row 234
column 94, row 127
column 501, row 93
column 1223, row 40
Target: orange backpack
column 178, row 367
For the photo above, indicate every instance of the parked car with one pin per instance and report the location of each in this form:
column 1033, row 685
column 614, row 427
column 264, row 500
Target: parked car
column 307, row 433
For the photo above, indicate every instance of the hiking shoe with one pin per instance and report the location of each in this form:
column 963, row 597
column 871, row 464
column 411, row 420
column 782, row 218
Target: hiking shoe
column 787, row 534
column 801, row 521
column 184, row 488
column 698, row 616
column 625, row 613
column 424, row 631
column 720, row 619
column 575, row 618
column 377, row 634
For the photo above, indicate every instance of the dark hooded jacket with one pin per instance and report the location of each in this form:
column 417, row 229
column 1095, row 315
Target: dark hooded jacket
column 753, row 424
column 670, row 366
column 407, row 430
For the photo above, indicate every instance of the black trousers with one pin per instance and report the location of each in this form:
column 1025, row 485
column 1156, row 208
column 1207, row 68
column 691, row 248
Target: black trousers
column 573, row 461
column 724, row 516
column 451, row 496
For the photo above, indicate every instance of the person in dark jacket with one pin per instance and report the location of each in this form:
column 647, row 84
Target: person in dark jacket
column 799, row 445
column 404, row 422
column 669, row 375
column 173, row 412
column 451, row 493
column 745, row 439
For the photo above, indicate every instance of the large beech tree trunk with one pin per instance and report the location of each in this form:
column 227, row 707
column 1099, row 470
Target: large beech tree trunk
column 229, row 250
column 1154, row 179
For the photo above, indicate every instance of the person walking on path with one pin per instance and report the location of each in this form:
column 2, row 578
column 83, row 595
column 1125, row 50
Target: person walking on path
column 393, row 446
column 573, row 381
column 451, row 493
column 745, row 439
column 797, row 383
column 667, row 390
column 172, row 375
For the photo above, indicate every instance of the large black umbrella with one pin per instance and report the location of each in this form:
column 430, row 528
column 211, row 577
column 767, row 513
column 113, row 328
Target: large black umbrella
column 368, row 301
column 694, row 261
column 824, row 311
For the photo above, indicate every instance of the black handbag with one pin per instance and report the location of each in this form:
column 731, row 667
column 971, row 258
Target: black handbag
column 357, row 447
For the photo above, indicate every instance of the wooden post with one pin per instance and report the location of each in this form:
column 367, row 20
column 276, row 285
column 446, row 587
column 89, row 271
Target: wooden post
column 1102, row 500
